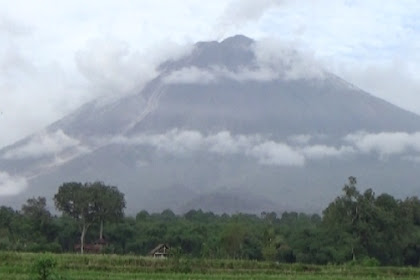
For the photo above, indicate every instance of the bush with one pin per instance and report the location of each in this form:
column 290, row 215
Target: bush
column 44, row 267
column 370, row 262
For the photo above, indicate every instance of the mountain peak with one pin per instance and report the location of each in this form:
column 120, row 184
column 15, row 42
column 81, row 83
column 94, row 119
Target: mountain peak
column 231, row 53
column 237, row 40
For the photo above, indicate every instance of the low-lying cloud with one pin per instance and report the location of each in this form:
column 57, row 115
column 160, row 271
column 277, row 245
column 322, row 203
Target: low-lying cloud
column 323, row 151
column 11, row 185
column 45, row 144
column 296, row 151
column 191, row 75
column 195, row 75
column 274, row 153
column 265, row 151
column 385, row 144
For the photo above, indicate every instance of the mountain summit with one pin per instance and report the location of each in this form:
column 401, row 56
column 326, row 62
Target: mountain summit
column 233, row 126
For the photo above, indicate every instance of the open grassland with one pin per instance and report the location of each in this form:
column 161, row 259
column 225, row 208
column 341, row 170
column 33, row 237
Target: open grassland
column 90, row 267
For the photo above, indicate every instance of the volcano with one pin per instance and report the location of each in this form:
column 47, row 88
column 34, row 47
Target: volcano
column 231, row 126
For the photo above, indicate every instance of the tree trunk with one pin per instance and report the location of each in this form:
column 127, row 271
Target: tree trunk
column 85, row 227
column 101, row 230
column 82, row 239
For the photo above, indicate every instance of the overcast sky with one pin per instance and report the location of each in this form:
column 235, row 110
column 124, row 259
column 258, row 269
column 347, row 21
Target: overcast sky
column 56, row 55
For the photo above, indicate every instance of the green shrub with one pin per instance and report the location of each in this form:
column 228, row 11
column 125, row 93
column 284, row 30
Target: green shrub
column 370, row 262
column 44, row 267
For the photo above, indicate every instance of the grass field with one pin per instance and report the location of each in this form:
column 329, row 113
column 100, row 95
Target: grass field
column 90, row 267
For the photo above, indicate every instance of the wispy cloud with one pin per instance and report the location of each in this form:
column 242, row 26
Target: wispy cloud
column 194, row 75
column 45, row 144
column 274, row 153
column 287, row 60
column 265, row 151
column 114, row 69
column 241, row 12
column 191, row 75
column 323, row 151
column 386, row 143
column 11, row 185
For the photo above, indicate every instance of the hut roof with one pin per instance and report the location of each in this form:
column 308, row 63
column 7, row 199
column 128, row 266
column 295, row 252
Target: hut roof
column 158, row 247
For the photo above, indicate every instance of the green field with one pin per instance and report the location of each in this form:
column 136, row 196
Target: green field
column 71, row 266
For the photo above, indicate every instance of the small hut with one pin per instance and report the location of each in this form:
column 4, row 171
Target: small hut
column 161, row 251
column 92, row 248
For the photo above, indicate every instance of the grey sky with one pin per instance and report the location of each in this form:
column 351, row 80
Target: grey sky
column 54, row 57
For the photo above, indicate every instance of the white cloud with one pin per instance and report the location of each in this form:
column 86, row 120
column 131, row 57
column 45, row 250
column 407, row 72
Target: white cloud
column 113, row 69
column 45, row 144
column 272, row 153
column 385, row 143
column 287, row 60
column 28, row 87
column 224, row 143
column 245, row 74
column 173, row 142
column 11, row 185
column 241, row 12
column 176, row 142
column 194, row 75
column 190, row 75
column 323, row 151
column 265, row 151
column 13, row 27
column 76, row 55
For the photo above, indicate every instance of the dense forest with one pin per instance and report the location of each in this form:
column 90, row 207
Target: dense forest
column 355, row 227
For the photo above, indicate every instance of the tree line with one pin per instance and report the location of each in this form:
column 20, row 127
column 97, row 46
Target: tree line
column 358, row 227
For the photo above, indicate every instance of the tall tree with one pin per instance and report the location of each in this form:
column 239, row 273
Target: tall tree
column 8, row 216
column 342, row 216
column 39, row 218
column 108, row 203
column 76, row 200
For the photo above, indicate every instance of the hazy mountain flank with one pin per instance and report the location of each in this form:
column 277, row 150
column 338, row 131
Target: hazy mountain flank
column 234, row 125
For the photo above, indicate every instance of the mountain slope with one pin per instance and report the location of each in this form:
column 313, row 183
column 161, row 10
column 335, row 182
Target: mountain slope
column 221, row 121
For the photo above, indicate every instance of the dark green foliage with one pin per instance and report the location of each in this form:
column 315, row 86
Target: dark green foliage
column 88, row 204
column 371, row 227
column 359, row 228
column 108, row 204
